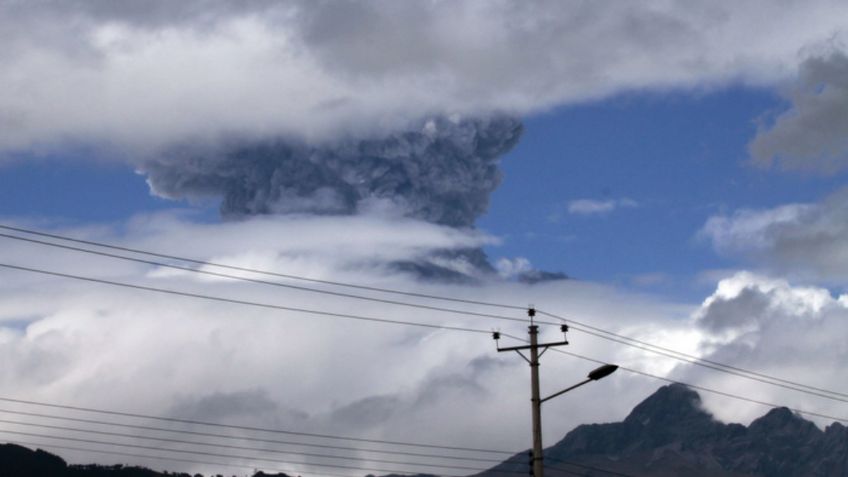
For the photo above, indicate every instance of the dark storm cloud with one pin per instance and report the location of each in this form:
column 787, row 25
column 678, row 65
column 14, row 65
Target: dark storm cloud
column 432, row 390
column 441, row 172
column 809, row 238
column 218, row 405
column 748, row 307
column 813, row 134
column 366, row 412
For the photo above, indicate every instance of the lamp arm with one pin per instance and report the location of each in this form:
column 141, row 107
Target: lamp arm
column 565, row 390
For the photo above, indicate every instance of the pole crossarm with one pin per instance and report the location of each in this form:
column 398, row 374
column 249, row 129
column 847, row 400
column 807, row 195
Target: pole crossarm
column 540, row 345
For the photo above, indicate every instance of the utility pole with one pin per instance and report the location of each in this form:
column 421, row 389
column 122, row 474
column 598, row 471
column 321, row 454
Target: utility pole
column 535, row 400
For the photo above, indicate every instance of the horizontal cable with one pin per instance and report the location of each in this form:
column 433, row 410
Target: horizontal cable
column 608, row 335
column 704, row 388
column 237, row 301
column 810, row 413
column 586, row 466
column 566, row 462
column 247, row 428
column 706, row 363
column 715, row 368
column 265, row 282
column 340, row 315
column 246, row 438
column 690, row 356
column 232, row 447
column 695, row 360
column 261, row 272
column 161, row 457
column 131, row 436
column 212, row 454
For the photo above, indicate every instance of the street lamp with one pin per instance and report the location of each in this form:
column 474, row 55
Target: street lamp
column 533, row 349
column 595, row 375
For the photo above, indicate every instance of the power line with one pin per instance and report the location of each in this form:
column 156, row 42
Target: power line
column 566, row 471
column 237, row 466
column 247, row 438
column 249, row 428
column 606, row 334
column 694, row 359
column 715, row 368
column 233, row 447
column 355, row 317
column 237, row 301
column 587, row 467
column 160, row 457
column 705, row 389
column 178, row 441
column 623, row 339
column 261, row 282
column 261, row 272
column 212, row 454
column 586, row 358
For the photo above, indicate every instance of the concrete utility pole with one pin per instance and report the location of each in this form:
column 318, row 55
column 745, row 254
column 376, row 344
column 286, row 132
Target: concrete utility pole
column 536, row 461
column 536, row 399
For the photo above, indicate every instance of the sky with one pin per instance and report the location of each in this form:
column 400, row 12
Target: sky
column 683, row 169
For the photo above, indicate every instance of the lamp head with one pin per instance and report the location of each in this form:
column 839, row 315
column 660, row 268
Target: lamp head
column 602, row 372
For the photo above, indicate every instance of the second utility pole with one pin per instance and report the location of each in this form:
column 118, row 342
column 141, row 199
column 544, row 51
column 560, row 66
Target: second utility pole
column 536, row 398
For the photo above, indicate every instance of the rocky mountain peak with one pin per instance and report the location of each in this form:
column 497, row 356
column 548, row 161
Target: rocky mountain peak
column 782, row 420
column 670, row 434
column 674, row 404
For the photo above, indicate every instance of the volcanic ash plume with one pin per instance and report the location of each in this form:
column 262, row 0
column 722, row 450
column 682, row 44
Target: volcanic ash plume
column 442, row 172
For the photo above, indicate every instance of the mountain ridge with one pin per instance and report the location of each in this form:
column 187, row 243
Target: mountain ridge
column 670, row 434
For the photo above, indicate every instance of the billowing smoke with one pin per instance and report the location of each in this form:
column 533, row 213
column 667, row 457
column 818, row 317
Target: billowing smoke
column 441, row 171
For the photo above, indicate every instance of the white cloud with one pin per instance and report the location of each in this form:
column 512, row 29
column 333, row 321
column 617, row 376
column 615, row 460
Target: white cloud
column 809, row 239
column 103, row 73
column 777, row 328
column 813, row 134
column 599, row 207
column 749, row 229
column 509, row 268
column 72, row 342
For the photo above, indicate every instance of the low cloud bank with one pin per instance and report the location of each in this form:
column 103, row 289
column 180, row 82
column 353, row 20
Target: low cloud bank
column 97, row 346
